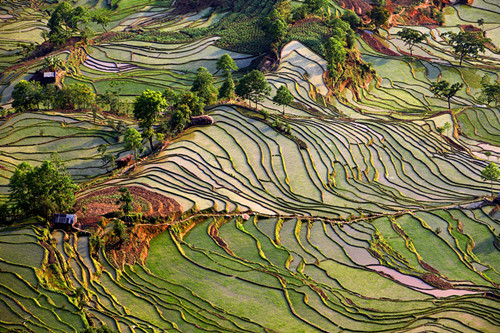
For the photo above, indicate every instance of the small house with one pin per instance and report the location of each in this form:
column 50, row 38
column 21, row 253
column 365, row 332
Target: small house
column 64, row 220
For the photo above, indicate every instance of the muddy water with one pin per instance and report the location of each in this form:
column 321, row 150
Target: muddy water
column 418, row 284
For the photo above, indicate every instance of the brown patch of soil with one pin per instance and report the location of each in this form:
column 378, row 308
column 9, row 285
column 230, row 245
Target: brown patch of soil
column 360, row 7
column 376, row 44
column 135, row 249
column 52, row 255
column 91, row 207
column 436, row 281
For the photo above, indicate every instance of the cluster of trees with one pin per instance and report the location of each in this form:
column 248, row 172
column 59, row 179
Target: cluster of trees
column 32, row 96
column 41, row 190
column 67, row 20
column 465, row 44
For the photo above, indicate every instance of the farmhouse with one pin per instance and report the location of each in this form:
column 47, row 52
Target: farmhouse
column 64, row 220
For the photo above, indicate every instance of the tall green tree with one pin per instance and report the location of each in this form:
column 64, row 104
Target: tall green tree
column 226, row 64
column 335, row 54
column 314, row 6
column 125, row 201
column 64, row 21
column 467, row 43
column 352, row 18
column 443, row 89
column 180, row 117
column 226, row 91
column 283, row 97
column 75, row 96
column 253, row 86
column 101, row 19
column 133, row 140
column 379, row 15
column 42, row 190
column 492, row 173
column 203, row 86
column 490, row 92
column 411, row 37
column 147, row 109
column 27, row 95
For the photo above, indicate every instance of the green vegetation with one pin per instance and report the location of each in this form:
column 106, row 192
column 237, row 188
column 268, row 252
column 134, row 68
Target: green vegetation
column 467, row 43
column 411, row 37
column 359, row 210
column 42, row 190
column 492, row 173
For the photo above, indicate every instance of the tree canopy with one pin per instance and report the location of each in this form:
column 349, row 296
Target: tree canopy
column 203, row 86
column 226, row 64
column 467, row 43
column 411, row 37
column 492, row 173
column 64, row 21
column 283, row 97
column 253, row 86
column 133, row 140
column 42, row 190
column 26, row 95
column 490, row 92
column 147, row 109
column 443, row 88
column 379, row 15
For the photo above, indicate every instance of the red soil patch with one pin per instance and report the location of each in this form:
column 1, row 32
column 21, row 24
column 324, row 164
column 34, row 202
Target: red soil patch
column 376, row 44
column 360, row 7
column 135, row 250
column 436, row 281
column 91, row 207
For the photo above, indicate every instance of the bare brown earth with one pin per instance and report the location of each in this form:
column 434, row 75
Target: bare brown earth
column 92, row 207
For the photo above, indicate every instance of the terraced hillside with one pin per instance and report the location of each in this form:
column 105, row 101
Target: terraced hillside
column 370, row 216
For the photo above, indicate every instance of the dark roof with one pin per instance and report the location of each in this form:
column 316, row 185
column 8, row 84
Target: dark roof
column 64, row 218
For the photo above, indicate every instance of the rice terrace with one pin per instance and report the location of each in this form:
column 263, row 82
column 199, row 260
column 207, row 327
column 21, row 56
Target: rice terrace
column 250, row 166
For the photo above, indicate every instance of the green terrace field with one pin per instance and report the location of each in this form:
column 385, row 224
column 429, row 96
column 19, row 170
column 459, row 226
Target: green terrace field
column 369, row 216
column 306, row 275
column 34, row 137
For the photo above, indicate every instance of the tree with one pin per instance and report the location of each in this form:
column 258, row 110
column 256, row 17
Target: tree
column 253, row 86
column 226, row 64
column 443, row 89
column 101, row 19
column 75, row 96
column 352, row 18
column 314, row 6
column 492, row 173
column 133, row 140
column 192, row 101
column 52, row 63
column 203, row 86
column 480, row 22
column 106, row 158
column 147, row 109
column 411, row 37
column 379, row 15
column 49, row 94
column 41, row 190
column 125, row 201
column 490, row 92
column 120, row 231
column 179, row 118
column 64, row 21
column 27, row 95
column 283, row 97
column 335, row 53
column 226, row 91
column 467, row 43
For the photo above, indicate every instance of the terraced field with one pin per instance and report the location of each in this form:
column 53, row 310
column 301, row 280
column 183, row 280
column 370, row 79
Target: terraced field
column 366, row 218
column 34, row 137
